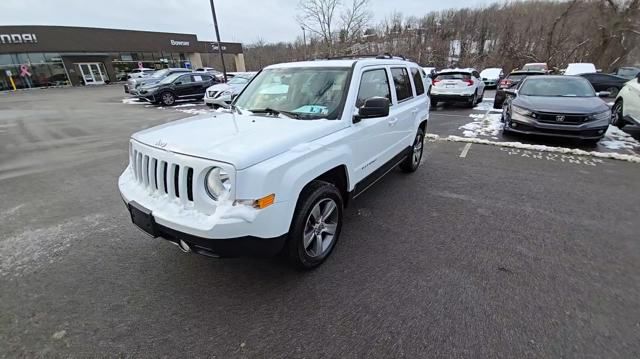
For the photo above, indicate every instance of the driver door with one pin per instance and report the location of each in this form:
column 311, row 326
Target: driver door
column 184, row 86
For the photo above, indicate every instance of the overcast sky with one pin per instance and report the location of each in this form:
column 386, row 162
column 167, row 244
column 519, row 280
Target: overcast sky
column 239, row 20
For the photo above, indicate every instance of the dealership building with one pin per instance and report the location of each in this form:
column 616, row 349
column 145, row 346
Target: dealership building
column 40, row 56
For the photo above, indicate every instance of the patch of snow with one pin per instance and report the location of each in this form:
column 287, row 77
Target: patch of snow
column 133, row 101
column 616, row 139
column 542, row 148
column 193, row 111
column 486, row 105
column 59, row 335
column 185, row 105
column 483, row 125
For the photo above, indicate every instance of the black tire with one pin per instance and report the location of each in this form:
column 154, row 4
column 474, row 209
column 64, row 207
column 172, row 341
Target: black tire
column 617, row 119
column 167, row 98
column 613, row 92
column 313, row 194
column 471, row 103
column 412, row 162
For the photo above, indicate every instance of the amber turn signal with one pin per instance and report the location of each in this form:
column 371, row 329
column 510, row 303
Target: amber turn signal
column 265, row 201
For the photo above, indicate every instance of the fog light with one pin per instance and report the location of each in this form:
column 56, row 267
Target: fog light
column 513, row 124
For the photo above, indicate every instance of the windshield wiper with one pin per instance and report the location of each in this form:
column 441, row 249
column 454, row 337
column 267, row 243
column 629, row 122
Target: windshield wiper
column 271, row 111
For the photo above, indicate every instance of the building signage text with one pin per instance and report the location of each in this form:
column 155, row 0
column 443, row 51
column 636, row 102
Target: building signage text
column 179, row 43
column 18, row 38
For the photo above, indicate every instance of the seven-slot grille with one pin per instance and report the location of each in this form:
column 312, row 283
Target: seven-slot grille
column 560, row 119
column 159, row 175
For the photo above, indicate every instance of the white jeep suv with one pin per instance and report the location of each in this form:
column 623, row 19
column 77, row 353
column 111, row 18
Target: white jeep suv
column 274, row 173
column 626, row 109
column 457, row 85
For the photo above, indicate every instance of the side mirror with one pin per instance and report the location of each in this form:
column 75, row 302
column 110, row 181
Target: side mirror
column 511, row 92
column 373, row 107
column 603, row 94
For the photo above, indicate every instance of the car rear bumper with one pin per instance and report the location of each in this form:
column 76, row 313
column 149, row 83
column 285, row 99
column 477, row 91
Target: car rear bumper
column 587, row 131
column 442, row 97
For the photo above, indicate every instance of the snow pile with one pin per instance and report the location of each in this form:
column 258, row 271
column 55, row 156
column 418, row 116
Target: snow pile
column 185, row 105
column 486, row 105
column 133, row 101
column 541, row 148
column 616, row 139
column 483, row 125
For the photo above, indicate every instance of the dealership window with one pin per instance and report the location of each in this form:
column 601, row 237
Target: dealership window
column 32, row 70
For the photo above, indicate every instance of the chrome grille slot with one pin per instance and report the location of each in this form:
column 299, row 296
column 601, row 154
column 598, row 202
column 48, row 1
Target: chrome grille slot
column 153, row 171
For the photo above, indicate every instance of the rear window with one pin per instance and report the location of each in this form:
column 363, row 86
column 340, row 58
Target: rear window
column 402, row 83
column 453, row 76
column 517, row 77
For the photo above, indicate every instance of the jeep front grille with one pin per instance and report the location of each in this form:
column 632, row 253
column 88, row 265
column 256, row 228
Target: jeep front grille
column 162, row 176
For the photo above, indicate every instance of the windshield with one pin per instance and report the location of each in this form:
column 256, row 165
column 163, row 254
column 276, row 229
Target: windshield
column 557, row 87
column 307, row 92
column 628, row 72
column 238, row 81
column 170, row 78
column 160, row 74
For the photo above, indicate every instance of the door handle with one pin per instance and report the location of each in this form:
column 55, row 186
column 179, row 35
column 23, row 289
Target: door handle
column 392, row 121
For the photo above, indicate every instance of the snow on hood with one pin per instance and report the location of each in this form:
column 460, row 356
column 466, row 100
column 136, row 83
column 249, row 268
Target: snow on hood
column 219, row 87
column 256, row 138
column 490, row 73
column 577, row 105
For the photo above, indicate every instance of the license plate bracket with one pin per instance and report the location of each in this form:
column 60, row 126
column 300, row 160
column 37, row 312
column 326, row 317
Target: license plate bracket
column 142, row 218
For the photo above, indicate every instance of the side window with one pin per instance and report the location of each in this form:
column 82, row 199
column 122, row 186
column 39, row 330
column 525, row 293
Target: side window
column 417, row 80
column 373, row 83
column 184, row 79
column 476, row 74
column 402, row 83
column 199, row 78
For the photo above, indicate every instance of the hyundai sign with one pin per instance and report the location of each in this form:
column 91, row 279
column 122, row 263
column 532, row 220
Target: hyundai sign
column 18, row 39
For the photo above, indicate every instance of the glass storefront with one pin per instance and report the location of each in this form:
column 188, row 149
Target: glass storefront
column 124, row 62
column 32, row 70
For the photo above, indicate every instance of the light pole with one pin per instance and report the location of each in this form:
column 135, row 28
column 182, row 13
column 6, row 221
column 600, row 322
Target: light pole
column 215, row 24
column 304, row 42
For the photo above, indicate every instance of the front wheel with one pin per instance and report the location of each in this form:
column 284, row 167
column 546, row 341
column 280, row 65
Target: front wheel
column 167, row 99
column 316, row 225
column 617, row 117
column 412, row 162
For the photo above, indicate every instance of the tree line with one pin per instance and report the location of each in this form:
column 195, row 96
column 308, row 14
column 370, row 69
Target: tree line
column 604, row 32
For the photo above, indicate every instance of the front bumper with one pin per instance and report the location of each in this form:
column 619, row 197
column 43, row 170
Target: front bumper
column 223, row 231
column 592, row 130
column 220, row 101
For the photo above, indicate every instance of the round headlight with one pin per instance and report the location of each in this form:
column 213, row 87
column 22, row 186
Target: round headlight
column 217, row 183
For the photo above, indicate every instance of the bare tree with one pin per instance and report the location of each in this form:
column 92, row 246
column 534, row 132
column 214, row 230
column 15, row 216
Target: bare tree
column 318, row 16
column 355, row 20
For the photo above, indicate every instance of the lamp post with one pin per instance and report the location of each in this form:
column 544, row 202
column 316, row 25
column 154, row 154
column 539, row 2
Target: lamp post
column 215, row 24
column 304, row 42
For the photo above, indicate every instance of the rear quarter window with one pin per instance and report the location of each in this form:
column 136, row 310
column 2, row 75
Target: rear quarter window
column 417, row 80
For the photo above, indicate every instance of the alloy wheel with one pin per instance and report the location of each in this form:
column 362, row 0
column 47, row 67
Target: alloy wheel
column 320, row 228
column 417, row 150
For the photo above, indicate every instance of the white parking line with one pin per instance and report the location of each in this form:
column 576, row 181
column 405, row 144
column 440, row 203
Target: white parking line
column 465, row 150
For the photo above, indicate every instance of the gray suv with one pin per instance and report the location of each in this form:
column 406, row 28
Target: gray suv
column 132, row 86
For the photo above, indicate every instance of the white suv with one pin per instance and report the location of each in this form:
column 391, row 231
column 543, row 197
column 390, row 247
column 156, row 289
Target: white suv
column 457, row 85
column 274, row 173
column 626, row 109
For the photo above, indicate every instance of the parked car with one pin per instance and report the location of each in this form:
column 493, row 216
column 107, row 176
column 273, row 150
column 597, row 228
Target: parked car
column 626, row 109
column 511, row 81
column 132, row 85
column 217, row 74
column 556, row 105
column 491, row 76
column 580, row 68
column 139, row 72
column 221, row 95
column 457, row 85
column 603, row 82
column 179, row 86
column 535, row 66
column 627, row 72
column 274, row 174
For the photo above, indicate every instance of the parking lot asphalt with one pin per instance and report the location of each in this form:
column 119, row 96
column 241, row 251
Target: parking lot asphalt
column 485, row 252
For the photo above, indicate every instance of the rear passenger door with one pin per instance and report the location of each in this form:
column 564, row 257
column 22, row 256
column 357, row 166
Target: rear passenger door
column 402, row 115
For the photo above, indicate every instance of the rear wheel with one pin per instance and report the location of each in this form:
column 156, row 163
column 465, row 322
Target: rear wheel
column 473, row 100
column 613, row 92
column 617, row 118
column 316, row 225
column 412, row 162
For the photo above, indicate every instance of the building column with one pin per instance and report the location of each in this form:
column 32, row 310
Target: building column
column 196, row 60
column 240, row 62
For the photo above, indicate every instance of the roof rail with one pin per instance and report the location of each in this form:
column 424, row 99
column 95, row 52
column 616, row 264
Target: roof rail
column 386, row 55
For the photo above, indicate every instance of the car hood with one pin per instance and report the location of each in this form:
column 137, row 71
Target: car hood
column 255, row 139
column 147, row 81
column 219, row 87
column 578, row 105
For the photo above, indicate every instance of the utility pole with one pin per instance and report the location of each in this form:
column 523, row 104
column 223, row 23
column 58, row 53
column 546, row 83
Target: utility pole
column 304, row 41
column 215, row 24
